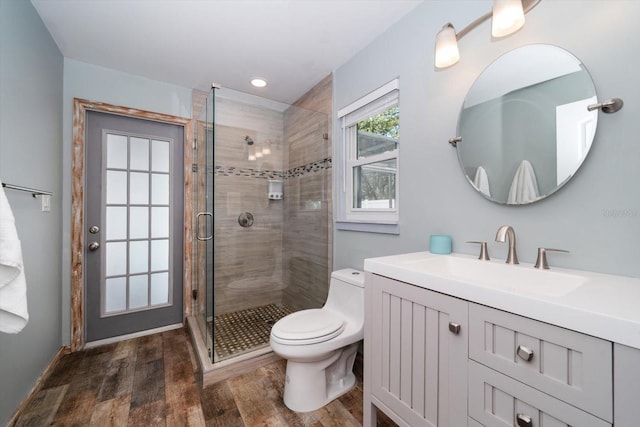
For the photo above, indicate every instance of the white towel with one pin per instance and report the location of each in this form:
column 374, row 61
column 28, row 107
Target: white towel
column 524, row 188
column 481, row 181
column 13, row 286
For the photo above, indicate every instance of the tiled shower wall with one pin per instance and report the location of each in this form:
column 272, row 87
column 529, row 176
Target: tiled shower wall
column 248, row 261
column 307, row 207
column 286, row 255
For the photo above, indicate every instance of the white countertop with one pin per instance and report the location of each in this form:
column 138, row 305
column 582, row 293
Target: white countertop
column 605, row 306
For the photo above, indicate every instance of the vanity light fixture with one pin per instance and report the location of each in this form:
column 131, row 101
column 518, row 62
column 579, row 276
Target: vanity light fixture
column 507, row 17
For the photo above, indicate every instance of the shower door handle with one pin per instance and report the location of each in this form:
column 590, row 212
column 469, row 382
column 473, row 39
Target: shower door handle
column 201, row 214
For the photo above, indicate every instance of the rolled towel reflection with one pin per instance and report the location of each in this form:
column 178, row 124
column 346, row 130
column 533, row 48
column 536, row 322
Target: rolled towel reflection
column 524, row 188
column 481, row 181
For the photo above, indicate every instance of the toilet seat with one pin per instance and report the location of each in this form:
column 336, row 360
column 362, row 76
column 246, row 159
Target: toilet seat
column 307, row 327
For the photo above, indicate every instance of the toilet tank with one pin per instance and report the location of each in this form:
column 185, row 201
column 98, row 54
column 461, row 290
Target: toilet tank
column 346, row 293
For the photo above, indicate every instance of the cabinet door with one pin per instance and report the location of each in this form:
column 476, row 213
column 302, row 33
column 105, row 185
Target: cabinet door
column 419, row 361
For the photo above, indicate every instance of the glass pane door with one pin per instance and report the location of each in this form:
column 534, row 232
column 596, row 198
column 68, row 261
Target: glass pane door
column 137, row 223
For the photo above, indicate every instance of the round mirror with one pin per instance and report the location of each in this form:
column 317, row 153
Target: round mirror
column 525, row 126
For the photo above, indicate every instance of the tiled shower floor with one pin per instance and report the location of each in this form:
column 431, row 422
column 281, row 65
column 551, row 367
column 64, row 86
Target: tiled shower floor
column 245, row 330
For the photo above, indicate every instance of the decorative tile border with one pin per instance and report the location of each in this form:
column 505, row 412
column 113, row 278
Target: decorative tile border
column 313, row 167
column 310, row 168
column 248, row 172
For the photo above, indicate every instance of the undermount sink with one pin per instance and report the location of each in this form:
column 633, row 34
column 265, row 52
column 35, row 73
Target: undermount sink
column 499, row 275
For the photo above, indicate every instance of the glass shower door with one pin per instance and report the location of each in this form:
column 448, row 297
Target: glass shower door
column 204, row 176
column 262, row 180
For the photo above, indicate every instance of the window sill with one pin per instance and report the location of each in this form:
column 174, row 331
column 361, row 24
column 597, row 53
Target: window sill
column 368, row 227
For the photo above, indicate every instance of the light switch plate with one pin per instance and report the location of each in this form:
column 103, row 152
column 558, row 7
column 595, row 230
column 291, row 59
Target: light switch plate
column 46, row 203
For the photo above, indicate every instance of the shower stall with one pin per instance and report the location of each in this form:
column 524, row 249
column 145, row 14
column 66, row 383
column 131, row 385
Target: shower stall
column 262, row 182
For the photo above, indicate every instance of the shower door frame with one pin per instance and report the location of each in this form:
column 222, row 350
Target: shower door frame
column 203, row 155
column 80, row 107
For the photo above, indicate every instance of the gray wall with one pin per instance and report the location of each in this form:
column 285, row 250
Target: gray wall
column 30, row 155
column 596, row 215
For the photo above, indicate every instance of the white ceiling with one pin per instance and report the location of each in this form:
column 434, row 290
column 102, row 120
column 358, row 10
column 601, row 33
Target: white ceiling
column 292, row 44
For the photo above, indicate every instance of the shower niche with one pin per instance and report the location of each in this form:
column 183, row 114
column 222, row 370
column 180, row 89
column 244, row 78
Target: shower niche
column 250, row 151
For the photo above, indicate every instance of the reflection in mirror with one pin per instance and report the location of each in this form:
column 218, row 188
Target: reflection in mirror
column 525, row 126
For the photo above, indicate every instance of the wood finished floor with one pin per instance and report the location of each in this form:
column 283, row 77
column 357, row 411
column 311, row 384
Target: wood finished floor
column 152, row 381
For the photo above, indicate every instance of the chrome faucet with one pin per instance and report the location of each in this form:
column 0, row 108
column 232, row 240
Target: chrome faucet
column 506, row 231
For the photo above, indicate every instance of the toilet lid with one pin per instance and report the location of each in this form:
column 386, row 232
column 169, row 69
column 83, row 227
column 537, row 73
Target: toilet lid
column 310, row 326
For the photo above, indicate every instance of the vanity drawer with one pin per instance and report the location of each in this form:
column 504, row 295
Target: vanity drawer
column 497, row 400
column 568, row 365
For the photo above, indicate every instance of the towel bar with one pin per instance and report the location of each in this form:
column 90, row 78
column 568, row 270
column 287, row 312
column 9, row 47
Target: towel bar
column 34, row 192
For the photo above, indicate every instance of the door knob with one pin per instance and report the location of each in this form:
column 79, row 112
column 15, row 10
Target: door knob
column 93, row 246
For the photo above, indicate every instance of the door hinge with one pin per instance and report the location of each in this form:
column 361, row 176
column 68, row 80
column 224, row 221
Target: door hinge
column 194, row 167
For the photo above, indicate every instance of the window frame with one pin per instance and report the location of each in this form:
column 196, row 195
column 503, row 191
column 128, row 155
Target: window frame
column 383, row 220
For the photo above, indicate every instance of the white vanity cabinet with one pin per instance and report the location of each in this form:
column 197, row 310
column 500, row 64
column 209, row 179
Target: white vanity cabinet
column 416, row 351
column 432, row 359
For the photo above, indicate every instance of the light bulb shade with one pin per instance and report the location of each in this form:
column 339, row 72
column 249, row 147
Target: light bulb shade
column 508, row 17
column 447, row 52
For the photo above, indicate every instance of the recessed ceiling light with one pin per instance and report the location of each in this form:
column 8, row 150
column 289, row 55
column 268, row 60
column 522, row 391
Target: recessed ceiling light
column 258, row 82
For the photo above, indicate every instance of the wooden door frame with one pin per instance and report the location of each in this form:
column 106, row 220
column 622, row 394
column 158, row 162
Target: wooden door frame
column 80, row 108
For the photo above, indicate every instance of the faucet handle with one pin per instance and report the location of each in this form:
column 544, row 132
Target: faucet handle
column 484, row 252
column 541, row 262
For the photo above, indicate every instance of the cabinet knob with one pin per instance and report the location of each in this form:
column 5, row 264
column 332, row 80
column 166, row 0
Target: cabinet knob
column 454, row 328
column 525, row 353
column 524, row 420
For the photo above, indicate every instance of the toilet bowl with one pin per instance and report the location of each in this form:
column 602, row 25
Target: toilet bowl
column 320, row 345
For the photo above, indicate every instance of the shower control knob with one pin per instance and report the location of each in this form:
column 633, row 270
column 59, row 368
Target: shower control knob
column 93, row 246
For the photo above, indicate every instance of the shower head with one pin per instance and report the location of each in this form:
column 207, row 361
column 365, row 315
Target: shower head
column 248, row 140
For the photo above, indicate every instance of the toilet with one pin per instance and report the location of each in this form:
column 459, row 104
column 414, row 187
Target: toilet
column 320, row 345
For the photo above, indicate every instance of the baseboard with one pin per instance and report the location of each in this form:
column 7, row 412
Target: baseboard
column 119, row 338
column 38, row 384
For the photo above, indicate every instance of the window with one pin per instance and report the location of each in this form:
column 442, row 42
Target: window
column 371, row 136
